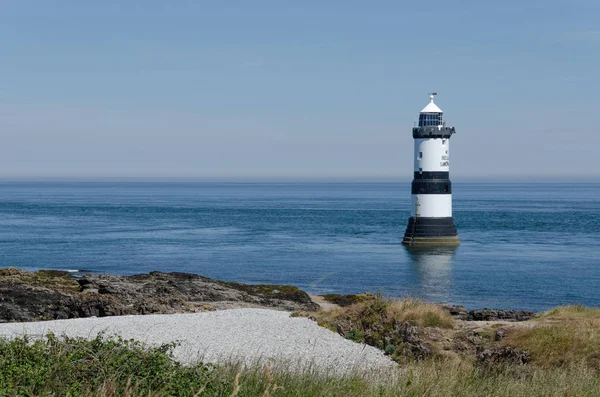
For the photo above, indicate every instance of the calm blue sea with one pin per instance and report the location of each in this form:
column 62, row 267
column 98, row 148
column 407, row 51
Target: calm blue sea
column 528, row 246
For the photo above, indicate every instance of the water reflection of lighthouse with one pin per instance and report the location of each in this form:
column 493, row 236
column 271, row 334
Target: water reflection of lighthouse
column 433, row 268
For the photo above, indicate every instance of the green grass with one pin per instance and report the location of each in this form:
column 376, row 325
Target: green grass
column 113, row 367
column 562, row 336
column 66, row 366
column 53, row 279
column 571, row 312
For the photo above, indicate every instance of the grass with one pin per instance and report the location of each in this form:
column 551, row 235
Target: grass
column 109, row 367
column 566, row 335
column 379, row 322
column 377, row 309
column 54, row 279
column 68, row 366
column 571, row 312
column 420, row 313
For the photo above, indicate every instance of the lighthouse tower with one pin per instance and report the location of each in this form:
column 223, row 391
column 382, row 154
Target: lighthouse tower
column 431, row 222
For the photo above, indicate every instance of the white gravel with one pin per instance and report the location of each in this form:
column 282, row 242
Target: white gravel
column 249, row 336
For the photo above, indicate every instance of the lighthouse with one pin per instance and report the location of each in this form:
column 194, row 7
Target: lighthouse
column 431, row 222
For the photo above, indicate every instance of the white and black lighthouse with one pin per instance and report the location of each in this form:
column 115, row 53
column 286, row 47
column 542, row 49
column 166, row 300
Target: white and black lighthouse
column 431, row 222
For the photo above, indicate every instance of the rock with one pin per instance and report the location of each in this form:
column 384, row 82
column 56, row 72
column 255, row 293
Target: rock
column 458, row 312
column 43, row 295
column 347, row 300
column 462, row 313
column 497, row 314
column 503, row 355
column 593, row 360
column 500, row 334
column 29, row 303
column 409, row 340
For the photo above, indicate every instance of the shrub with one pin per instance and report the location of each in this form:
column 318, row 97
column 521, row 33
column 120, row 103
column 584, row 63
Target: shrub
column 420, row 313
column 75, row 366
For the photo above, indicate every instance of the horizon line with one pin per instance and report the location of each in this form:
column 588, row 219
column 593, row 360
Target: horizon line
column 297, row 179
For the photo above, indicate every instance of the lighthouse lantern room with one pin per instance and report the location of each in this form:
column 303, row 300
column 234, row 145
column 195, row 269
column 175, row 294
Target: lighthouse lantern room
column 431, row 222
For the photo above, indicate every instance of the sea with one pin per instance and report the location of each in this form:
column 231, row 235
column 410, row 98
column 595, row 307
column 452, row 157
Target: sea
column 524, row 245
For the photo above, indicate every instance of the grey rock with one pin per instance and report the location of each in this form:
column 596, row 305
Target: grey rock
column 25, row 296
column 500, row 334
column 497, row 314
column 458, row 312
column 411, row 342
column 462, row 313
column 503, row 355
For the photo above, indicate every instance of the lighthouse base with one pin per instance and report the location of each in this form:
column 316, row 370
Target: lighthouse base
column 432, row 232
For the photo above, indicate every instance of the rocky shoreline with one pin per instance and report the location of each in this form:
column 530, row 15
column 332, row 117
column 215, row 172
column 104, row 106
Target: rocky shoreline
column 52, row 295
column 462, row 313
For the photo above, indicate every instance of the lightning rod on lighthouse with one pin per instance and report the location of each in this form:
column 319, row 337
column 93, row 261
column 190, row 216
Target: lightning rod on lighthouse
column 431, row 222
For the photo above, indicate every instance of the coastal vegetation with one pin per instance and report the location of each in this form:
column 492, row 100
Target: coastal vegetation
column 107, row 367
column 561, row 337
column 392, row 326
column 52, row 279
column 440, row 350
column 564, row 336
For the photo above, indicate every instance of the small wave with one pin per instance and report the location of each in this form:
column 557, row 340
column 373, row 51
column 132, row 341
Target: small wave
column 76, row 271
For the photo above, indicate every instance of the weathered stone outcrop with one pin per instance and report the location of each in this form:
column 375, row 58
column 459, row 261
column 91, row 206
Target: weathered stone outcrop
column 462, row 313
column 496, row 314
column 503, row 355
column 458, row 312
column 30, row 296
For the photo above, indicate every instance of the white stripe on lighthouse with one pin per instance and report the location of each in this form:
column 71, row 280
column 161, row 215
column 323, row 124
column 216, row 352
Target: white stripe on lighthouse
column 432, row 205
column 432, row 154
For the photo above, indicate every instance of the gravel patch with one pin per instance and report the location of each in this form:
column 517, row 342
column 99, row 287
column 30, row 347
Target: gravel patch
column 249, row 336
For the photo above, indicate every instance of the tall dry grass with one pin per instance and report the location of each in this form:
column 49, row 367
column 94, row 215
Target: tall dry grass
column 430, row 378
column 566, row 335
column 413, row 311
column 417, row 312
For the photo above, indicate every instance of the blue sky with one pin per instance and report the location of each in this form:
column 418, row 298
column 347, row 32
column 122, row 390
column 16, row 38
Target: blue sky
column 317, row 90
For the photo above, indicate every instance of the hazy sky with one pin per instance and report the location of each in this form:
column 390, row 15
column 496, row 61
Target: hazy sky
column 259, row 89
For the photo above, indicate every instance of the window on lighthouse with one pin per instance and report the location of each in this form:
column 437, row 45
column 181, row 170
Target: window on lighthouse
column 430, row 119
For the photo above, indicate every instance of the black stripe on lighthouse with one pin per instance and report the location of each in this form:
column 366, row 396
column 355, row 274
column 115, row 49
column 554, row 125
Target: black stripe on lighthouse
column 433, row 186
column 432, row 175
column 431, row 182
column 429, row 228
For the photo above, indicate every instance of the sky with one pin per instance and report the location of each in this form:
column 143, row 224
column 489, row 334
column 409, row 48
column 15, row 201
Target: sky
column 322, row 90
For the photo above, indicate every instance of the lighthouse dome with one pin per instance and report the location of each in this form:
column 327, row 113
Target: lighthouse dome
column 431, row 115
column 431, row 107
